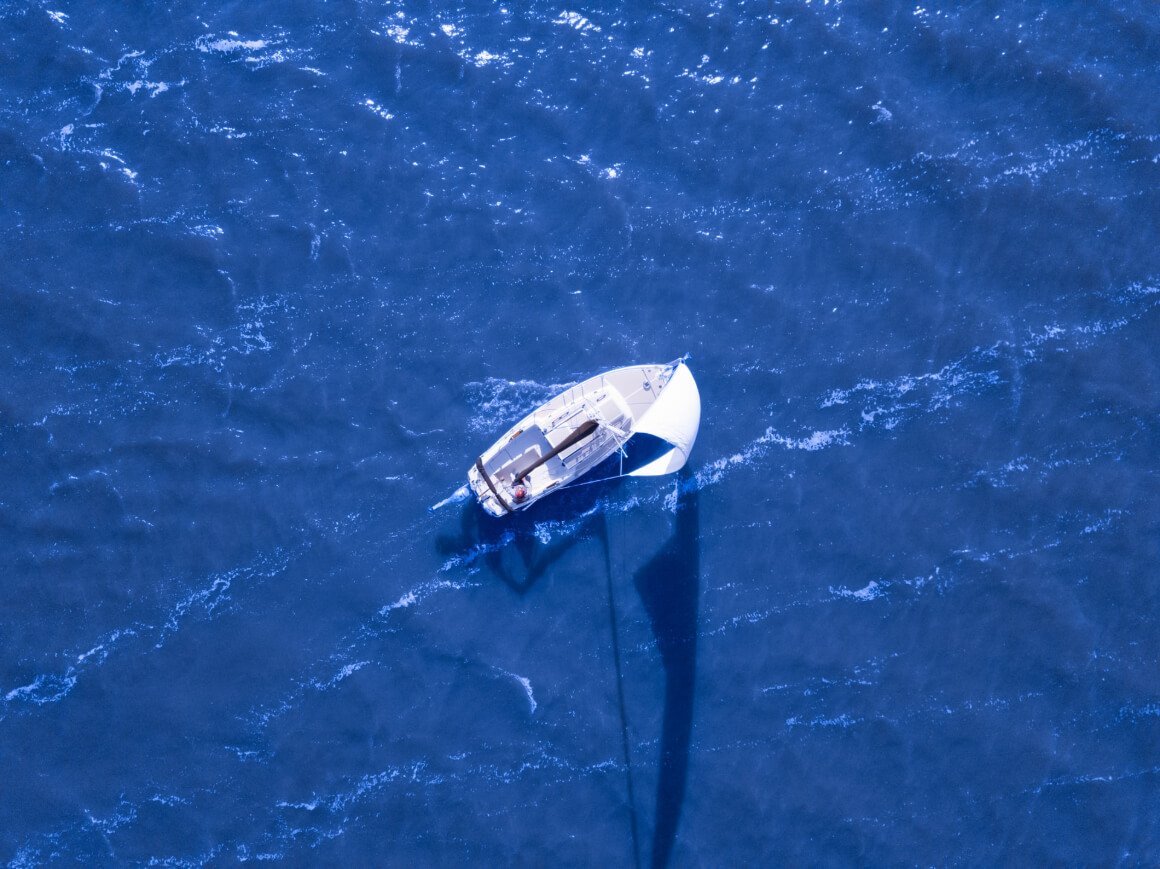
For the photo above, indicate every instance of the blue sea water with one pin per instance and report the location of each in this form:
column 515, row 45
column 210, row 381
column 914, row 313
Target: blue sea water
column 273, row 274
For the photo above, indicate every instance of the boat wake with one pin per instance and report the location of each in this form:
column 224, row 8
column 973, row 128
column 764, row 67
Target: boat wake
column 459, row 495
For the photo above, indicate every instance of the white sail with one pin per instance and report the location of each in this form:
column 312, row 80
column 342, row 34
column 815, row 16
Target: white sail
column 675, row 418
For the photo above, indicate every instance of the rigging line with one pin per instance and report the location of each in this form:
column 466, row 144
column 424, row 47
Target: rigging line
column 601, row 480
column 620, row 689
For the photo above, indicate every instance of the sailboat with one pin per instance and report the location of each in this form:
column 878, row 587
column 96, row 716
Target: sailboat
column 565, row 438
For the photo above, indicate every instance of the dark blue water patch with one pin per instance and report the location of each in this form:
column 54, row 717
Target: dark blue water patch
column 272, row 282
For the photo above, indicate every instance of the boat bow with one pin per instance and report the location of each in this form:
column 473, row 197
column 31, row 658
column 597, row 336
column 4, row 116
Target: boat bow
column 675, row 418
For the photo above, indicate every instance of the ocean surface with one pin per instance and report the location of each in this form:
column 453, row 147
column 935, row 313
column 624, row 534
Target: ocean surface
column 273, row 274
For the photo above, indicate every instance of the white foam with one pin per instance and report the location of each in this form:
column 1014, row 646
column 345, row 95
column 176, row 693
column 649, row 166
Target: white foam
column 45, row 688
column 169, row 800
column 265, row 60
column 213, row 596
column 1148, row 710
column 818, row 440
column 714, row 471
column 477, row 552
column 842, row 720
column 227, row 131
column 51, row 687
column 369, row 784
column 577, row 22
column 931, row 391
column 241, row 49
column 378, row 110
column 877, row 588
column 1140, row 290
column 1102, row 524
column 98, row 653
column 528, row 690
column 546, row 531
column 306, row 807
column 422, row 592
column 868, row 592
column 152, row 87
column 459, row 495
column 526, row 684
column 207, row 45
column 261, row 718
column 408, row 599
column 345, row 673
column 1105, row 778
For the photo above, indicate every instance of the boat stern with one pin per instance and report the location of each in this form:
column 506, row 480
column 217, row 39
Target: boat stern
column 485, row 494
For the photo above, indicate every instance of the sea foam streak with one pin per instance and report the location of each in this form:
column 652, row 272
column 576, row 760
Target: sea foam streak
column 458, row 496
column 51, row 687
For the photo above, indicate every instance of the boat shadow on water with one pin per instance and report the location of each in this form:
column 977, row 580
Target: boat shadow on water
column 668, row 585
column 491, row 541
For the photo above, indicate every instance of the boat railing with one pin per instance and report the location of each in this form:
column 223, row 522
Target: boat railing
column 577, row 458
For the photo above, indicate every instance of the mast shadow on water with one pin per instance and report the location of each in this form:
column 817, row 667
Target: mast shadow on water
column 669, row 588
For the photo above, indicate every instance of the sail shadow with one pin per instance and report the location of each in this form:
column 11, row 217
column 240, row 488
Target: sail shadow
column 669, row 587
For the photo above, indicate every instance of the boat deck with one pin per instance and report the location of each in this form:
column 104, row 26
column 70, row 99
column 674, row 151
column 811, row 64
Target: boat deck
column 530, row 452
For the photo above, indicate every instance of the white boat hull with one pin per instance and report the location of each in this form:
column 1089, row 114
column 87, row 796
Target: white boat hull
column 565, row 438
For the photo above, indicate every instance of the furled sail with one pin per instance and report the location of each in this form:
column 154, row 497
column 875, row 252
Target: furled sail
column 674, row 417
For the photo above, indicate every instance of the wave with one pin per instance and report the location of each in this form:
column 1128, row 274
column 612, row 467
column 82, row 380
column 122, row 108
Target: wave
column 204, row 602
